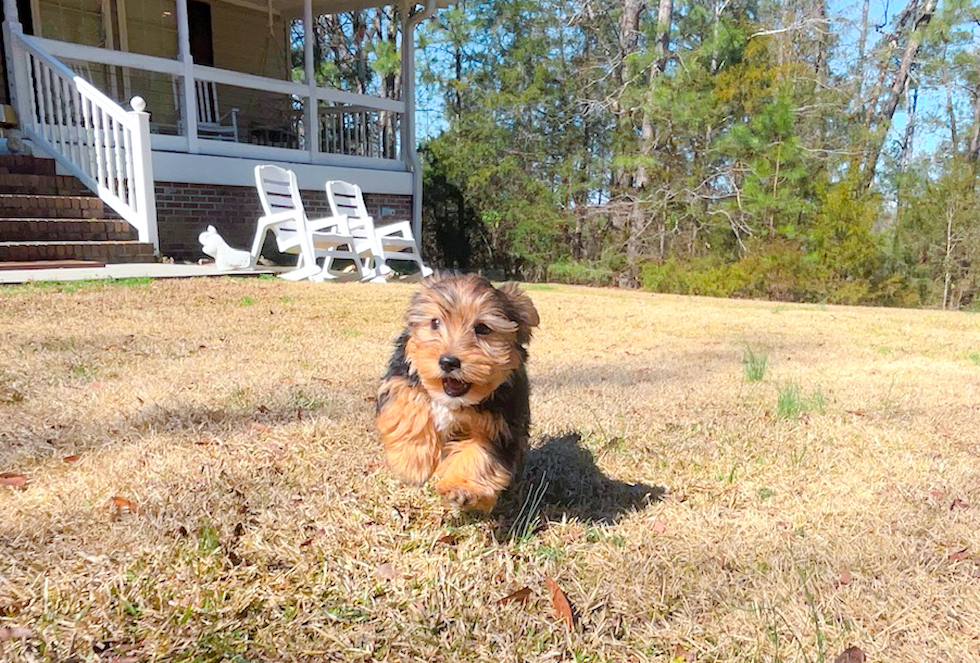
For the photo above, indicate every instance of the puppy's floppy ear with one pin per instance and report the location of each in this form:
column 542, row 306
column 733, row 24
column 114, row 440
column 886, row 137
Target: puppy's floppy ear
column 524, row 309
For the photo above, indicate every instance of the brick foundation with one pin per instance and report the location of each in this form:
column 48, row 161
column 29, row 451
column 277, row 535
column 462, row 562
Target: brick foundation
column 185, row 210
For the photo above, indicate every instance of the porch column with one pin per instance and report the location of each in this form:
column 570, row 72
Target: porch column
column 17, row 77
column 409, row 153
column 312, row 104
column 189, row 110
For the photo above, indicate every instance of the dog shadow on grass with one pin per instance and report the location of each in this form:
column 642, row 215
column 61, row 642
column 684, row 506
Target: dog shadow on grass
column 561, row 479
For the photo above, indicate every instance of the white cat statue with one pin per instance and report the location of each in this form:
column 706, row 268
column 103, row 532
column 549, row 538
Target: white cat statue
column 224, row 256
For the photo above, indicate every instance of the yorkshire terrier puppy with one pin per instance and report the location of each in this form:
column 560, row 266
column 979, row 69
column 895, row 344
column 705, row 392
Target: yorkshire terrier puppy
column 454, row 401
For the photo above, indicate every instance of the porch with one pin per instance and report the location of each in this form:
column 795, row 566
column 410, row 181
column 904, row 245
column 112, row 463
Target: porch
column 205, row 125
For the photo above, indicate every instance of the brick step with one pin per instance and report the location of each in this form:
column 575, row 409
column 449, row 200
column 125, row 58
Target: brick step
column 105, row 252
column 59, row 185
column 14, row 163
column 20, row 206
column 65, row 230
column 50, row 264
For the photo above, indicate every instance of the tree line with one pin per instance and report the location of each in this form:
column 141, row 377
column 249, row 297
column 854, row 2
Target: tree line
column 791, row 150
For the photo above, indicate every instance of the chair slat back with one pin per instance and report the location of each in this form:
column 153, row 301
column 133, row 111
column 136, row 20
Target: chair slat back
column 279, row 192
column 207, row 102
column 346, row 198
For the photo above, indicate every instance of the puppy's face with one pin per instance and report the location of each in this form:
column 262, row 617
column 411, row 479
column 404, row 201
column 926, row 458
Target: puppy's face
column 466, row 337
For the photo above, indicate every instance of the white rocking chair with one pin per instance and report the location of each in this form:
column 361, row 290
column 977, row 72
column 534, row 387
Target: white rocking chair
column 296, row 234
column 210, row 120
column 393, row 241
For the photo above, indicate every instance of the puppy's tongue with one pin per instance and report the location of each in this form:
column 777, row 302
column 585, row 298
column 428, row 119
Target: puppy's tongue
column 454, row 387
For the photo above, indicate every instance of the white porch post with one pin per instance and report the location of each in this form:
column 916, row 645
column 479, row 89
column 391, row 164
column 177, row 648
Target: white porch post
column 189, row 111
column 143, row 183
column 410, row 154
column 312, row 104
column 16, row 67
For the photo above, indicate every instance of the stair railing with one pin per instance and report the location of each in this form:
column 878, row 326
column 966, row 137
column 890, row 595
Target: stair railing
column 86, row 132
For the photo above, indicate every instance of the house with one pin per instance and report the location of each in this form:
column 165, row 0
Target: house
column 149, row 117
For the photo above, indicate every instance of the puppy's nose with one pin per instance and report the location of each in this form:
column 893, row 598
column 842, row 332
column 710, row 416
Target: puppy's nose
column 449, row 363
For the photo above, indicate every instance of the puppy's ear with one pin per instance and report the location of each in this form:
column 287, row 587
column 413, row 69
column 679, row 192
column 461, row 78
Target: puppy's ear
column 521, row 305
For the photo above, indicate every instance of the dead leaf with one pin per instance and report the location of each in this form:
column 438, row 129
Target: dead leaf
column 659, row 526
column 682, row 653
column 71, row 459
column 447, row 540
column 387, row 571
column 120, row 503
column 520, row 595
column 845, row 578
column 560, row 603
column 370, row 399
column 851, row 655
column 15, row 632
column 958, row 503
column 13, row 480
column 959, row 555
column 316, row 535
column 937, row 494
column 263, row 409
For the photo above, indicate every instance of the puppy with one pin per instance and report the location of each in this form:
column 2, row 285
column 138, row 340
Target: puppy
column 454, row 401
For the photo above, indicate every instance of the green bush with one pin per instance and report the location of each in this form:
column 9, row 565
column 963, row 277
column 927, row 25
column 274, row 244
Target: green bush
column 579, row 273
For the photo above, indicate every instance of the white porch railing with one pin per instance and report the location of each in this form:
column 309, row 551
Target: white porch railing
column 353, row 130
column 89, row 134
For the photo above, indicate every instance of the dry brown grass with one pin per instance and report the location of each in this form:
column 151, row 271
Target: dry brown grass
column 234, row 414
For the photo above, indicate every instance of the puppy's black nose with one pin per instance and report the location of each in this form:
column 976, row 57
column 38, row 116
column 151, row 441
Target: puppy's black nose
column 449, row 363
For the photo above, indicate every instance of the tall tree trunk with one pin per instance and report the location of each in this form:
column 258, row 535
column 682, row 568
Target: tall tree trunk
column 908, row 140
column 883, row 117
column 973, row 152
column 862, row 45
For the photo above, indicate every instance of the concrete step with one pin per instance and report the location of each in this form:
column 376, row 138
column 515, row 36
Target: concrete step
column 49, row 264
column 75, row 230
column 20, row 206
column 104, row 252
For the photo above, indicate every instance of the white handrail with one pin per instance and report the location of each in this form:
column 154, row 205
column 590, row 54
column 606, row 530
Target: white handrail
column 102, row 144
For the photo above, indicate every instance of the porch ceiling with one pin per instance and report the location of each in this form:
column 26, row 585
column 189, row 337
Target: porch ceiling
column 294, row 8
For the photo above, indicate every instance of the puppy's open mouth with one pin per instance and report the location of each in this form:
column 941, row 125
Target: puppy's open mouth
column 454, row 387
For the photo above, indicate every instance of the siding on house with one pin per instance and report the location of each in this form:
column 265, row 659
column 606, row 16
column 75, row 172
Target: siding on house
column 185, row 210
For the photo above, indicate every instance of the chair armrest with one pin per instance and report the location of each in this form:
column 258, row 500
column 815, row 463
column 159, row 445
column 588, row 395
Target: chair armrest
column 320, row 225
column 389, row 229
column 279, row 217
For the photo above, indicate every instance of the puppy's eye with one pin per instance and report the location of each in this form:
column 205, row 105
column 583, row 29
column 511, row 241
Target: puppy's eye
column 481, row 329
column 434, row 324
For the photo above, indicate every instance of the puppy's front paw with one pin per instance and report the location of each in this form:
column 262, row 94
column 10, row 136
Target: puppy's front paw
column 467, row 495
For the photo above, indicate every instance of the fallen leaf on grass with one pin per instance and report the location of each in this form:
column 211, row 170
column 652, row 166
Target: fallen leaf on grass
column 13, row 480
column 387, row 571
column 560, row 603
column 682, row 653
column 15, row 632
column 959, row 555
column 316, row 535
column 521, row 595
column 845, row 578
column 120, row 504
column 71, row 459
column 447, row 540
column 659, row 526
column 937, row 494
column 958, row 503
column 851, row 655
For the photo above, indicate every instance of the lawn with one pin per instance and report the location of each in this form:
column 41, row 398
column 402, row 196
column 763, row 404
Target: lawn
column 192, row 475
